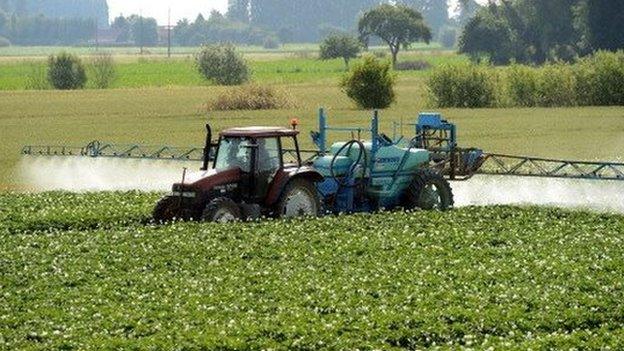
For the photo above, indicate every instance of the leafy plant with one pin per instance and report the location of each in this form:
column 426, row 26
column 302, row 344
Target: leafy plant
column 223, row 65
column 103, row 70
column 463, row 85
column 522, row 85
column 66, row 72
column 370, row 84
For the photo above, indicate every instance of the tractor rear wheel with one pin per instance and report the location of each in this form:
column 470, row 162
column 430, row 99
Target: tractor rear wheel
column 428, row 191
column 221, row 210
column 299, row 199
column 167, row 209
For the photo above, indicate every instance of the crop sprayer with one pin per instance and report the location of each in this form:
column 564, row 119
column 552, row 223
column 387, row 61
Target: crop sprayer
column 249, row 172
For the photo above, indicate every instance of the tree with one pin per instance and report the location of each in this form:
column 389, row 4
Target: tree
column 487, row 35
column 4, row 20
column 143, row 30
column 397, row 25
column 435, row 12
column 238, row 11
column 122, row 24
column 602, row 23
column 340, row 46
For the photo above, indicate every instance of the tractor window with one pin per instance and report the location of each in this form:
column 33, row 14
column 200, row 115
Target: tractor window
column 268, row 155
column 290, row 151
column 234, row 152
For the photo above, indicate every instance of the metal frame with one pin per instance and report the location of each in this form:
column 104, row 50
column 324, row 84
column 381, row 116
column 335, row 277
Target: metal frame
column 499, row 164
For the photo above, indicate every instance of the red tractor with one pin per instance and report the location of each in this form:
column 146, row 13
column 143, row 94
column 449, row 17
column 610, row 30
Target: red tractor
column 252, row 176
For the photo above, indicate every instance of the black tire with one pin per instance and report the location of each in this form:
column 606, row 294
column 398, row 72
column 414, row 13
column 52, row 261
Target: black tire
column 308, row 201
column 221, row 210
column 167, row 209
column 428, row 191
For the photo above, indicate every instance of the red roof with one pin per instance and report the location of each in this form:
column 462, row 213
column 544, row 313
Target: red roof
column 259, row 132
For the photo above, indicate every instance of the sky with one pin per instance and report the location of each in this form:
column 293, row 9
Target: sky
column 179, row 8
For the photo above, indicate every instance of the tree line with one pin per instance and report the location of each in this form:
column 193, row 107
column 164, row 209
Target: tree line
column 51, row 22
column 535, row 31
column 310, row 21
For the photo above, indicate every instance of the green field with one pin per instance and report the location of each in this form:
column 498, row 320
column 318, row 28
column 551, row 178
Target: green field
column 269, row 68
column 85, row 272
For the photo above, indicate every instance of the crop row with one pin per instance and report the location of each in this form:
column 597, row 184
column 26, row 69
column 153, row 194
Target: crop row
column 495, row 277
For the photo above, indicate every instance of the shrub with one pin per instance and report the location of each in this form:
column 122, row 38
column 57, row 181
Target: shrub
column 463, row 85
column 556, row 85
column 252, row 97
column 522, row 82
column 418, row 65
column 4, row 42
column 66, row 71
column 103, row 70
column 600, row 79
column 36, row 78
column 370, row 84
column 271, row 42
column 223, row 65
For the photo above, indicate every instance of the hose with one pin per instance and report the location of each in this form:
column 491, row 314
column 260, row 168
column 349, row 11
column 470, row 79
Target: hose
column 361, row 154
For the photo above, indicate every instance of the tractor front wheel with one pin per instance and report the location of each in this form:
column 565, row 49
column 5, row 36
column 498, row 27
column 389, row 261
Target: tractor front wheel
column 221, row 210
column 167, row 209
column 429, row 191
column 299, row 199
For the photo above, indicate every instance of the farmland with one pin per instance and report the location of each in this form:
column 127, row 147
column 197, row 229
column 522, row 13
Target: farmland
column 91, row 272
column 95, row 276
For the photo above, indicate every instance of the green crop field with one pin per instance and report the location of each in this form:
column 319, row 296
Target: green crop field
column 87, row 272
column 269, row 68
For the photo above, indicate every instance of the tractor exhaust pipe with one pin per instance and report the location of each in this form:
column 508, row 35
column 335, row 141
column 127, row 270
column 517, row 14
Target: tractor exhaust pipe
column 207, row 148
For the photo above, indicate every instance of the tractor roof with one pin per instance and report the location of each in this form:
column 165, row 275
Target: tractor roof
column 259, row 132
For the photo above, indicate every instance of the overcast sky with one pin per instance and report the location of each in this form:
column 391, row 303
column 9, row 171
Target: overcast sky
column 179, row 8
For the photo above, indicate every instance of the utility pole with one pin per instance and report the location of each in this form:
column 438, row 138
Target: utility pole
column 141, row 30
column 97, row 36
column 169, row 34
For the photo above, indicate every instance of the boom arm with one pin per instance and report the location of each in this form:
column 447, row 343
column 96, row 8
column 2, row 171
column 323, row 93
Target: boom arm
column 439, row 136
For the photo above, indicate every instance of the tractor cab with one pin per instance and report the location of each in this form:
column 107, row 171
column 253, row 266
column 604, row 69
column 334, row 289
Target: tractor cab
column 248, row 173
column 258, row 153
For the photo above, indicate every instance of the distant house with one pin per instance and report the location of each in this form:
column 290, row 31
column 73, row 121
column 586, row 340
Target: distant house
column 108, row 36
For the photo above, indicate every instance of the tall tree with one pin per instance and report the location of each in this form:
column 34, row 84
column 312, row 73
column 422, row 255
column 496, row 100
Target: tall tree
column 602, row 24
column 397, row 25
column 238, row 10
column 435, row 12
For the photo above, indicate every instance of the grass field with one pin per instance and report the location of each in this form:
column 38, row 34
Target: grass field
column 143, row 72
column 85, row 272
